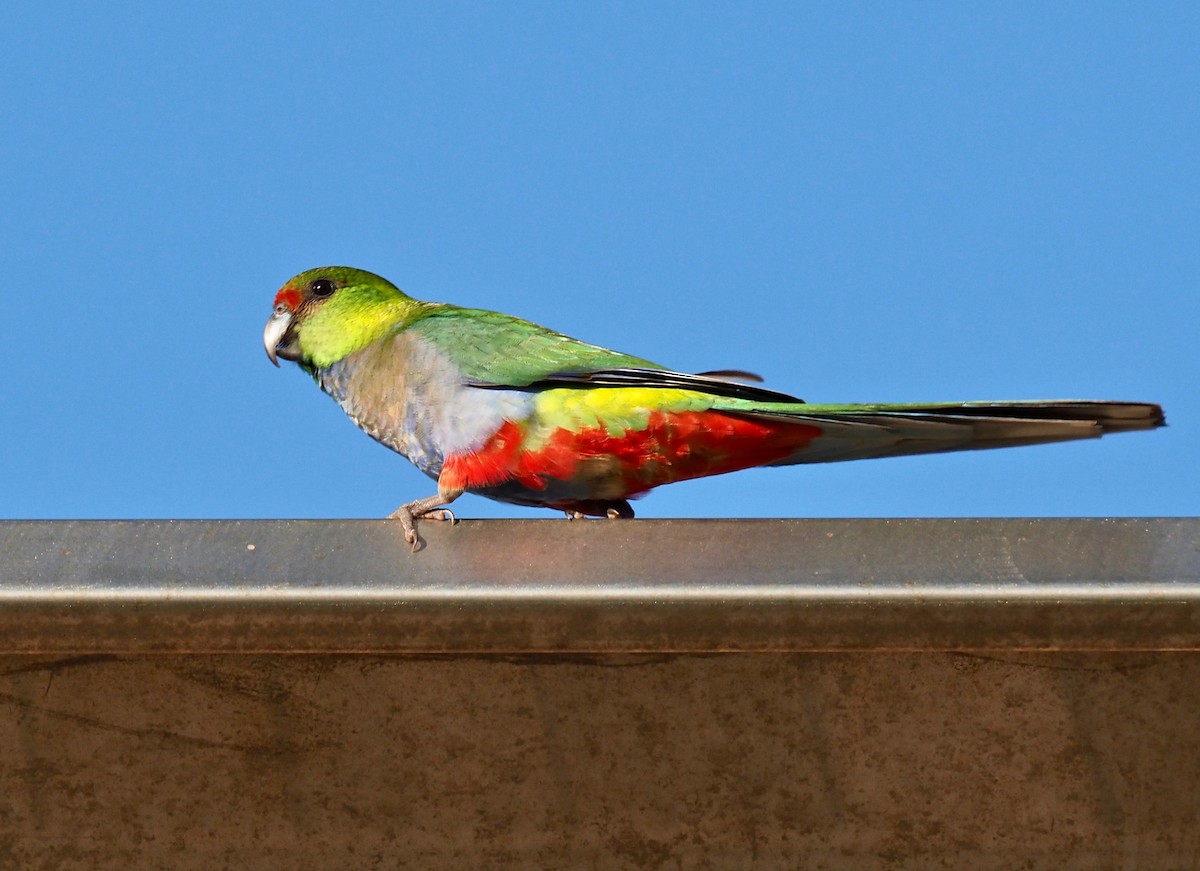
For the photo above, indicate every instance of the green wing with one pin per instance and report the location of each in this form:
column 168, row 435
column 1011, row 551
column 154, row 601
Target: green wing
column 498, row 349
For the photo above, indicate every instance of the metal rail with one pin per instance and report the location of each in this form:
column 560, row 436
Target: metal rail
column 599, row 587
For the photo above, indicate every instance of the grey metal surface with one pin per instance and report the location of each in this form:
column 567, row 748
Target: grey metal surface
column 554, row 586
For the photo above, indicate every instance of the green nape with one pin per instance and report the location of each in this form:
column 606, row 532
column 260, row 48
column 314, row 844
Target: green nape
column 363, row 310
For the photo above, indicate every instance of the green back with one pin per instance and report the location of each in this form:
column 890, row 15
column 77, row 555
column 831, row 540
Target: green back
column 500, row 349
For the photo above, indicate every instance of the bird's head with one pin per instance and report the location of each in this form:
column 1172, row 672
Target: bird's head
column 325, row 314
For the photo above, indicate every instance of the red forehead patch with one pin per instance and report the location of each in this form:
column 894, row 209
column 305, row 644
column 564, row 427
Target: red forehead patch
column 289, row 296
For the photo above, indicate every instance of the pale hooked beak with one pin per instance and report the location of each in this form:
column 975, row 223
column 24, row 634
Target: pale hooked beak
column 277, row 326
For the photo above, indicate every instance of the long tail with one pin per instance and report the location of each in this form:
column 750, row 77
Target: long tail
column 853, row 432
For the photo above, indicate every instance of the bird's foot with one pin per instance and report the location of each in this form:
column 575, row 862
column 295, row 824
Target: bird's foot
column 420, row 509
column 619, row 511
column 599, row 508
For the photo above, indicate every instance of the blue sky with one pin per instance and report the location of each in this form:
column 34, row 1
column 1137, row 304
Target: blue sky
column 861, row 202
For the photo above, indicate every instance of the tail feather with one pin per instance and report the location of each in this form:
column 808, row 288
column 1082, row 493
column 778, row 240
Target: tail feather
column 852, row 432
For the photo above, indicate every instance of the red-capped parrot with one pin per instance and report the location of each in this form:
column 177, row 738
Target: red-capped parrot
column 488, row 403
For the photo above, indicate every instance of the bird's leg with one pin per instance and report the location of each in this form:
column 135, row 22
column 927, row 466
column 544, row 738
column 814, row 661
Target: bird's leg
column 424, row 509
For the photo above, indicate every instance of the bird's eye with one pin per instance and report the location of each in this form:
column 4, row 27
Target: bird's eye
column 322, row 287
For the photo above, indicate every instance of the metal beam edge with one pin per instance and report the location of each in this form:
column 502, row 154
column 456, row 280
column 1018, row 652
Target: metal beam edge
column 549, row 586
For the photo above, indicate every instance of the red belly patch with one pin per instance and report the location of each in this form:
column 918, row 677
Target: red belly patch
column 674, row 446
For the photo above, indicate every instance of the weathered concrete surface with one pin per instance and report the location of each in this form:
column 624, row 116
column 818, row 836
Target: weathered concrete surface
column 800, row 760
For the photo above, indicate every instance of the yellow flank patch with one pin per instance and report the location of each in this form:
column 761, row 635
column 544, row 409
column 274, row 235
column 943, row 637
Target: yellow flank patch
column 615, row 409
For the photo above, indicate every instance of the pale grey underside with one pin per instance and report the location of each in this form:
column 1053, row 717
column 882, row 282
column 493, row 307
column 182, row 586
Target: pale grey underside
column 406, row 394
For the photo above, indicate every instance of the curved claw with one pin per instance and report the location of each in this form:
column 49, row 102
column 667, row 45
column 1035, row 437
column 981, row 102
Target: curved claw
column 408, row 523
column 421, row 509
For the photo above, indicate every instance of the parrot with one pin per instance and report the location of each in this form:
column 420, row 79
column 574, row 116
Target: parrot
column 491, row 404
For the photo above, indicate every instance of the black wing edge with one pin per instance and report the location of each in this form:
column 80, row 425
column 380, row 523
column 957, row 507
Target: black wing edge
column 1111, row 415
column 631, row 377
